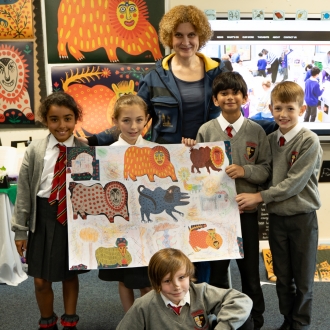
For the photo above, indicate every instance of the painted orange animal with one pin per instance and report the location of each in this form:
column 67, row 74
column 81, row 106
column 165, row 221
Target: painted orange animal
column 84, row 26
column 97, row 102
column 203, row 239
column 148, row 161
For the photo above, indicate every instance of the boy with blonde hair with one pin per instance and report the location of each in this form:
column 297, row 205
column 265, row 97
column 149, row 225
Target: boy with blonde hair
column 292, row 201
column 177, row 303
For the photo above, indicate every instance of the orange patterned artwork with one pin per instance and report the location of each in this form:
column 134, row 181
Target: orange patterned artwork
column 16, row 19
column 89, row 25
column 148, row 161
column 96, row 89
column 16, row 77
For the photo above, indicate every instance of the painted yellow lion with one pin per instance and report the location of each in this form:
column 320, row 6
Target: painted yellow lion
column 84, row 26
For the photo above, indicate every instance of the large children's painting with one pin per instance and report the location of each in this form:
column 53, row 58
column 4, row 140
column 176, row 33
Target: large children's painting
column 127, row 202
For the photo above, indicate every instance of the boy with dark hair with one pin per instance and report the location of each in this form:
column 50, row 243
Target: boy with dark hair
column 177, row 303
column 292, row 201
column 312, row 94
column 262, row 64
column 250, row 168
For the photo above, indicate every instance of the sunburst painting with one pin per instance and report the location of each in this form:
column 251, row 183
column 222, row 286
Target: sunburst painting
column 16, row 84
column 103, row 31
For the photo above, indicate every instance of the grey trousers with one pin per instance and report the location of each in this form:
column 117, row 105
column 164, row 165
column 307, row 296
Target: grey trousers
column 293, row 242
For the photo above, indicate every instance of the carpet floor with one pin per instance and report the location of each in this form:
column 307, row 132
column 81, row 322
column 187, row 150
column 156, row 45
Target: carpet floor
column 99, row 306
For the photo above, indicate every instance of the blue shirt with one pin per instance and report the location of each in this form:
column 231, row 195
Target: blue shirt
column 262, row 63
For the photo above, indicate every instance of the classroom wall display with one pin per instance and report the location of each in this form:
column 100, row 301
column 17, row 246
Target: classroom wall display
column 16, row 84
column 16, row 19
column 96, row 88
column 103, row 31
column 127, row 202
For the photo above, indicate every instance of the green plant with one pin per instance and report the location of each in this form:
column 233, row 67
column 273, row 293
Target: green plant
column 3, row 173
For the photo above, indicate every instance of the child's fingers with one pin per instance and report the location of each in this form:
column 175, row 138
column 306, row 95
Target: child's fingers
column 20, row 246
column 229, row 169
column 188, row 142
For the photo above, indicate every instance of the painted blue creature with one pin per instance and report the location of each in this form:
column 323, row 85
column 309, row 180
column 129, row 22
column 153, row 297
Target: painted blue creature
column 159, row 200
column 7, row 2
column 3, row 22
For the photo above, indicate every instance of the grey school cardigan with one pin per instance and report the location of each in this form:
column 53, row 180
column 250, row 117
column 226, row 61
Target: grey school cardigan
column 24, row 217
column 293, row 189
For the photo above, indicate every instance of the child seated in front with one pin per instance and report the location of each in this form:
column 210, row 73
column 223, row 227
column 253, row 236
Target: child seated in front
column 177, row 303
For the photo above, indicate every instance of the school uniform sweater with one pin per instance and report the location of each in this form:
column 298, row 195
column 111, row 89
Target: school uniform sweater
column 293, row 189
column 250, row 149
column 232, row 308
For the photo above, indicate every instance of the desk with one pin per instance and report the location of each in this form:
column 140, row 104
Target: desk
column 11, row 271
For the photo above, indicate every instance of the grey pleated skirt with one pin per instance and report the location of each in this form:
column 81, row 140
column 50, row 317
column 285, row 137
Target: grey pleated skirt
column 47, row 252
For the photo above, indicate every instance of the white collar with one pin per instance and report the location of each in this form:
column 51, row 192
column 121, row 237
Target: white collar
column 236, row 125
column 291, row 134
column 139, row 141
column 53, row 142
column 185, row 300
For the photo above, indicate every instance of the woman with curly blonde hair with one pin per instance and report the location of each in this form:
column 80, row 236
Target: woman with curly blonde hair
column 184, row 14
column 178, row 91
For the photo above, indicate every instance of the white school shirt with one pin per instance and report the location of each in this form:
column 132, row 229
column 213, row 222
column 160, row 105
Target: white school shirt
column 50, row 158
column 185, row 300
column 291, row 134
column 236, row 125
column 139, row 142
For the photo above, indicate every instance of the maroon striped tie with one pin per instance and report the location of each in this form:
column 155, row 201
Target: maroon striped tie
column 59, row 186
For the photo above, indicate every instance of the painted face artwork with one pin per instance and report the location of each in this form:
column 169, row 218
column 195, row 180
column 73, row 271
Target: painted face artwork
column 14, row 79
column 110, row 25
column 8, row 74
column 128, row 14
